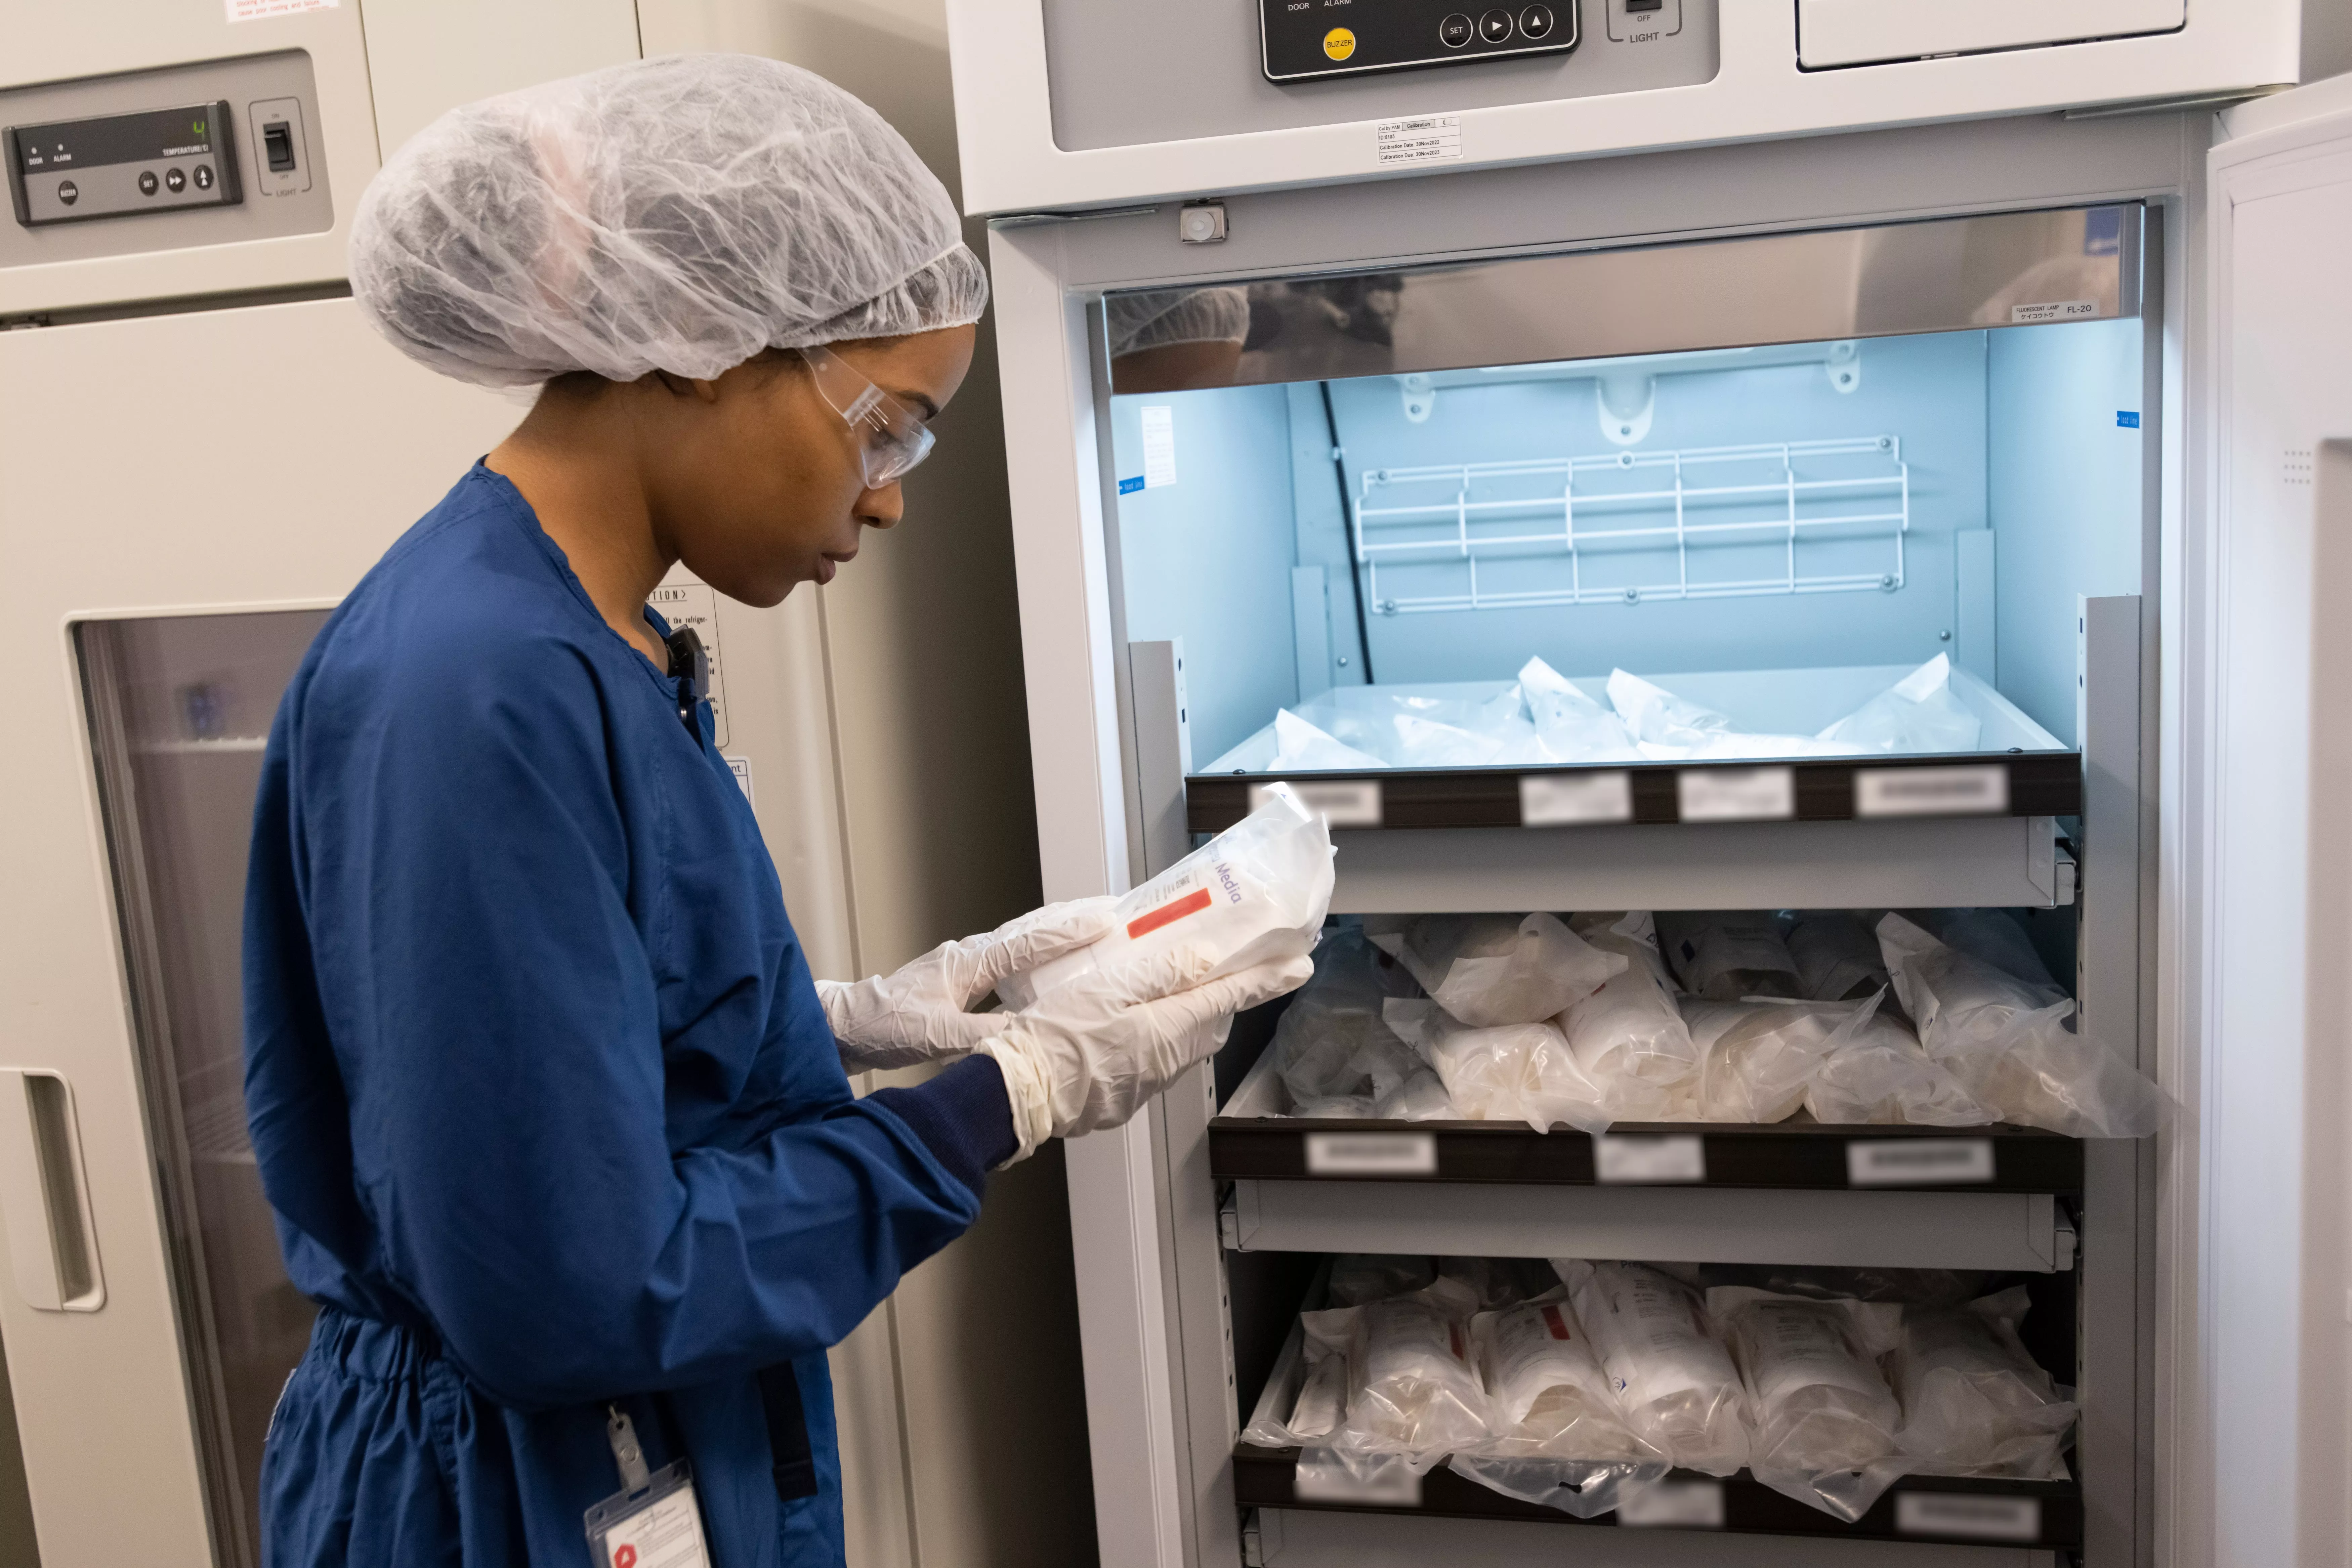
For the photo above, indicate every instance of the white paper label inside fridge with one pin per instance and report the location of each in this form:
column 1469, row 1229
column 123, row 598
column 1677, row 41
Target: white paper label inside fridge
column 1978, row 790
column 741, row 768
column 1678, row 1505
column 1371, row 1154
column 258, row 10
column 685, row 600
column 1918, row 1162
column 1348, row 803
column 1566, row 800
column 1429, row 139
column 2056, row 310
column 1158, row 445
column 1736, row 794
column 1679, row 1157
column 1975, row 1518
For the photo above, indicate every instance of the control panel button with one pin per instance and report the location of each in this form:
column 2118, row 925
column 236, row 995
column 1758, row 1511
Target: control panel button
column 68, row 193
column 146, row 181
column 204, row 176
column 1534, row 22
column 1455, row 30
column 175, row 180
column 1495, row 26
column 1338, row 43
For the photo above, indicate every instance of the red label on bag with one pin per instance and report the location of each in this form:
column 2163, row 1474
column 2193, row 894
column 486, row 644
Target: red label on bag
column 1556, row 1323
column 1144, row 924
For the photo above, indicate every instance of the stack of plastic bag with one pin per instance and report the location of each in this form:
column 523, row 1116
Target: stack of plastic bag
column 1836, row 955
column 1257, row 892
column 1675, row 1383
column 1758, row 1057
column 1917, row 713
column 1974, row 1402
column 1496, row 969
column 1557, row 1436
column 1667, row 728
column 1825, row 1418
column 2004, row 1037
column 1628, row 1037
column 1724, row 955
column 1512, row 1073
column 1336, row 1056
column 1571, row 726
column 1873, row 1069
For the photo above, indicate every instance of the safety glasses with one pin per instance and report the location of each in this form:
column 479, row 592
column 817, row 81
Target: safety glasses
column 891, row 437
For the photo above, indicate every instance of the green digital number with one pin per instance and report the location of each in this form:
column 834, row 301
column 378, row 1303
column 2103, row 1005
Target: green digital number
column 198, row 129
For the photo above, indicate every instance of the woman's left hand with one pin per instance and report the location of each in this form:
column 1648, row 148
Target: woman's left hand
column 923, row 1011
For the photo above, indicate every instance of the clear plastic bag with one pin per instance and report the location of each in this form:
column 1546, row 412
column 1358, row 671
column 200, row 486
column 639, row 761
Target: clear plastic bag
column 1755, row 1059
column 1358, row 1278
column 2005, row 1039
column 1917, row 713
column 1516, row 1072
column 1498, row 1282
column 1875, row 1071
column 1558, row 1436
column 1335, row 1055
column 1487, row 970
column 1628, row 1037
column 1674, row 1382
column 1992, row 935
column 1974, row 1402
column 1413, row 1392
column 1724, row 955
column 1824, row 1416
column 1836, row 955
column 1257, row 892
column 1300, row 747
column 1653, row 715
column 1571, row 726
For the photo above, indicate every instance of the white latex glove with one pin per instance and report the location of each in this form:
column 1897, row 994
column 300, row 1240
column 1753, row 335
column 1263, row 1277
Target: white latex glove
column 1089, row 1053
column 923, row 1011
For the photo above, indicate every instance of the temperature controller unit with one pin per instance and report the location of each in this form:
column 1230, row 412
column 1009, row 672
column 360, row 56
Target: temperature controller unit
column 70, row 169
column 1304, row 40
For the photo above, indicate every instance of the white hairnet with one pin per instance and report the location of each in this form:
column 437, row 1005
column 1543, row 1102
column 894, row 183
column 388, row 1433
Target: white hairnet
column 679, row 214
column 1163, row 317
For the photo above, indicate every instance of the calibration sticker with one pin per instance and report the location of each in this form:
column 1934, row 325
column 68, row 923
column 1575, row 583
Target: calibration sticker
column 1432, row 138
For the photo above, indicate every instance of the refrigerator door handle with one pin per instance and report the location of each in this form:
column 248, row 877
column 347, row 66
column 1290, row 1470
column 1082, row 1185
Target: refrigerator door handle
column 44, row 1195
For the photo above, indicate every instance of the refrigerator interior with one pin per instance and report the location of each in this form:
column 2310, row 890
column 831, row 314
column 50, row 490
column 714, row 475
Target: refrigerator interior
column 1777, row 534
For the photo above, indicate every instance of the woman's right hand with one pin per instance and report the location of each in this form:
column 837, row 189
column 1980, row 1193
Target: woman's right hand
column 1089, row 1052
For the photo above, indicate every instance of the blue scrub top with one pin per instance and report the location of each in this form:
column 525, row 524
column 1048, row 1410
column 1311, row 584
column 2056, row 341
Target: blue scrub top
column 542, row 1092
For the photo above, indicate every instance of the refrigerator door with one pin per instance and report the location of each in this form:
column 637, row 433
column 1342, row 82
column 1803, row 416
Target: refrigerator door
column 2264, row 772
column 181, row 498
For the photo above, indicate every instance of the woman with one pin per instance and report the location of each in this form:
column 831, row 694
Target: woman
column 554, row 1117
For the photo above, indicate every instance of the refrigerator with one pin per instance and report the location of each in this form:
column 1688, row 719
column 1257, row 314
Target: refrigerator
column 1728, row 373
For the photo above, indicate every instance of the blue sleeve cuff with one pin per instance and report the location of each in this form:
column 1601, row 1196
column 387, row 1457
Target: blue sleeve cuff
column 963, row 1116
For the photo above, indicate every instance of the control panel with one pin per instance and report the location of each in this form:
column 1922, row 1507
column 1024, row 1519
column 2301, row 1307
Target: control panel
column 1306, row 41
column 155, row 160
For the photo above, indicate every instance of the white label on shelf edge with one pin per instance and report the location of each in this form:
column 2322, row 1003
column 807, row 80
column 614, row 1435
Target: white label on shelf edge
column 1980, row 788
column 1620, row 1158
column 1158, row 445
column 1371, row 1154
column 1917, row 1161
column 1736, row 794
column 1432, row 137
column 1343, row 802
column 1970, row 1514
column 1685, row 1505
column 1566, row 800
column 1391, row 1485
column 2055, row 310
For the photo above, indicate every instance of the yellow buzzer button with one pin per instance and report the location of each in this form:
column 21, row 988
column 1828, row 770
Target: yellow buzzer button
column 1338, row 43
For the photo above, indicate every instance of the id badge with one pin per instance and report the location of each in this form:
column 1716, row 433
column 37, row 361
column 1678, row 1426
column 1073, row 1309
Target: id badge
column 653, row 1521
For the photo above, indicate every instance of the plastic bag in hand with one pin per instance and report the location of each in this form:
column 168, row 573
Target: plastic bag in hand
column 1974, row 1402
column 1824, row 1416
column 1674, row 1382
column 2005, row 1039
column 1836, row 955
column 1487, row 970
column 1723, row 956
column 1413, row 1392
column 1755, row 1059
column 1917, row 713
column 1517, row 1072
column 1628, row 1037
column 1571, row 726
column 1255, row 893
column 1335, row 1055
column 1875, row 1071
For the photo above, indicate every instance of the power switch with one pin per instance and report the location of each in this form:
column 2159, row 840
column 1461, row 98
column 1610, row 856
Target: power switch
column 282, row 156
column 277, row 146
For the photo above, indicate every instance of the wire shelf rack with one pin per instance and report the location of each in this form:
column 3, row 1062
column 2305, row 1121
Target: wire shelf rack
column 1708, row 522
